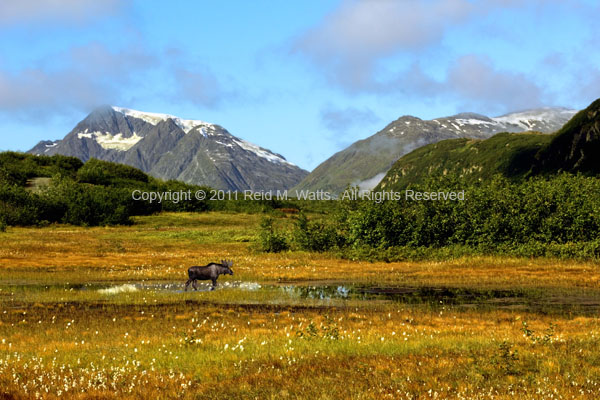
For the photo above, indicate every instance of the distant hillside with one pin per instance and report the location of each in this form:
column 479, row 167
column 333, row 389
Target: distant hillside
column 514, row 155
column 366, row 162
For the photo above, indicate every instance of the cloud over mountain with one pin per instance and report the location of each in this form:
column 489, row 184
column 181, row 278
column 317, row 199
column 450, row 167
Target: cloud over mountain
column 353, row 47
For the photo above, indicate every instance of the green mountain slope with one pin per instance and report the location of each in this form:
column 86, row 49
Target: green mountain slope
column 514, row 155
column 507, row 153
column 574, row 148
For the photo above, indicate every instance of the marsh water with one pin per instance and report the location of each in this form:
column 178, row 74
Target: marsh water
column 539, row 300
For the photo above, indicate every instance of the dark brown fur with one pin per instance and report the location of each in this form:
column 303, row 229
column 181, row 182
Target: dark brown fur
column 208, row 272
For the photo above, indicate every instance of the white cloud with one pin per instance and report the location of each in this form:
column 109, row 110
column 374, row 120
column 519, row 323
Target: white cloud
column 339, row 120
column 369, row 184
column 84, row 77
column 80, row 79
column 472, row 82
column 349, row 41
column 344, row 123
column 348, row 45
column 474, row 79
column 199, row 86
column 373, row 28
column 27, row 11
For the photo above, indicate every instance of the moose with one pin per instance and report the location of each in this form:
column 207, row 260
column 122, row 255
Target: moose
column 208, row 272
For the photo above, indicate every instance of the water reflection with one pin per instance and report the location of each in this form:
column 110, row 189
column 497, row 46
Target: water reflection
column 402, row 294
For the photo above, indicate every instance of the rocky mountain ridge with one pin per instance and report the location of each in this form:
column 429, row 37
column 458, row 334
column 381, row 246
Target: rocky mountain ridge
column 170, row 147
column 365, row 162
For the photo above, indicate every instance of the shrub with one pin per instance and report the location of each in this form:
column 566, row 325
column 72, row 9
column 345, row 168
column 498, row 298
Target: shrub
column 106, row 173
column 17, row 206
column 190, row 205
column 379, row 225
column 314, row 236
column 270, row 240
column 11, row 176
column 89, row 205
column 16, row 167
column 557, row 216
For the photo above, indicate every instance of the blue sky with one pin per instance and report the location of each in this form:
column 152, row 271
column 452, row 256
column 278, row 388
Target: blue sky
column 302, row 78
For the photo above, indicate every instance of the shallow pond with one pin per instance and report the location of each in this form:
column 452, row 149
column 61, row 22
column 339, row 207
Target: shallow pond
column 538, row 300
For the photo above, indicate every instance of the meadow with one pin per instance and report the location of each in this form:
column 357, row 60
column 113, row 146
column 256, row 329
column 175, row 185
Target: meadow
column 100, row 312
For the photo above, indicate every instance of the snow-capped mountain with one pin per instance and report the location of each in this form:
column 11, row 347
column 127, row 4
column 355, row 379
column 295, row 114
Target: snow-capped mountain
column 544, row 120
column 170, row 147
column 365, row 162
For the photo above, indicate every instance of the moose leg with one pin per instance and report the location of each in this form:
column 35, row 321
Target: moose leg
column 195, row 284
column 214, row 281
column 187, row 284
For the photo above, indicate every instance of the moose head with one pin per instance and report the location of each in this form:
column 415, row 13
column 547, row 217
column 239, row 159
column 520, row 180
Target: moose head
column 227, row 265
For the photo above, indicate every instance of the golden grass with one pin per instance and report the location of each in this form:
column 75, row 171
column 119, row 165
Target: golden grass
column 195, row 349
column 156, row 248
column 232, row 343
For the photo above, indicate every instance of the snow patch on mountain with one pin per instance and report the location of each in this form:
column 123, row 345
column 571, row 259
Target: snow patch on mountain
column 543, row 115
column 526, row 120
column 472, row 121
column 111, row 142
column 51, row 145
column 155, row 118
column 259, row 151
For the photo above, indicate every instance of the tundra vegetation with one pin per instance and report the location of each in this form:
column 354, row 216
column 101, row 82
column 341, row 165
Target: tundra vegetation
column 100, row 312
column 496, row 296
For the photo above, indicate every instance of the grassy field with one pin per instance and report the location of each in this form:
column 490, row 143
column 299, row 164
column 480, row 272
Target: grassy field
column 100, row 313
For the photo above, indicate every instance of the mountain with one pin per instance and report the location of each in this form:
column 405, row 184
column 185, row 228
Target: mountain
column 575, row 147
column 169, row 147
column 510, row 154
column 515, row 155
column 366, row 162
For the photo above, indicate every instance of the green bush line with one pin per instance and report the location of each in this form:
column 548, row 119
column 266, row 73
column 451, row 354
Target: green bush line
column 95, row 193
column 556, row 217
column 548, row 216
